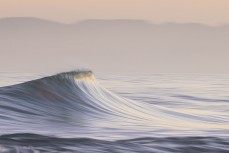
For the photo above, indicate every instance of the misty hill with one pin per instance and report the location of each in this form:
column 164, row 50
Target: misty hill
column 112, row 46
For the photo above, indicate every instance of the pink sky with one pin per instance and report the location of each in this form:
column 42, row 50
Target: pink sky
column 212, row 12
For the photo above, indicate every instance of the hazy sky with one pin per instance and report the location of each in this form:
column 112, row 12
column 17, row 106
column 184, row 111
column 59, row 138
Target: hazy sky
column 211, row 12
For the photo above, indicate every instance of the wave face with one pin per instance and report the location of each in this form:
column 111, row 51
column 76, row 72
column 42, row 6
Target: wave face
column 75, row 109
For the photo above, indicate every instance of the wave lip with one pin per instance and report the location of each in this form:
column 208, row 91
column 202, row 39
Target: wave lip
column 78, row 75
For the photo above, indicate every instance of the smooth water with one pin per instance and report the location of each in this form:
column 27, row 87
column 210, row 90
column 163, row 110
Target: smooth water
column 78, row 112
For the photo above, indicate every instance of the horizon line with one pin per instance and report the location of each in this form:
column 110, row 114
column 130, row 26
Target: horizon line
column 115, row 19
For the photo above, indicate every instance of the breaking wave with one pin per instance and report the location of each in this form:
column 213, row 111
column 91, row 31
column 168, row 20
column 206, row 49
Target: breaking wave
column 75, row 102
column 71, row 112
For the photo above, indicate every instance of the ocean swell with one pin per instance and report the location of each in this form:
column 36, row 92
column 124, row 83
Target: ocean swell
column 74, row 104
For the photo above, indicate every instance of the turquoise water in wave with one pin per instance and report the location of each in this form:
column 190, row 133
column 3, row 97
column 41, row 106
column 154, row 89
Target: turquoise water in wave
column 81, row 112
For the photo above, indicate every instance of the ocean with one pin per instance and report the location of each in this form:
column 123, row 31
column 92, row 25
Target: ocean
column 81, row 112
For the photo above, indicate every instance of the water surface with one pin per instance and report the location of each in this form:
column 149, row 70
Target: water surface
column 78, row 112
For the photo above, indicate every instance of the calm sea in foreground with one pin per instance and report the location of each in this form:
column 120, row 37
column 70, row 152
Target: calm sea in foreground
column 80, row 112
